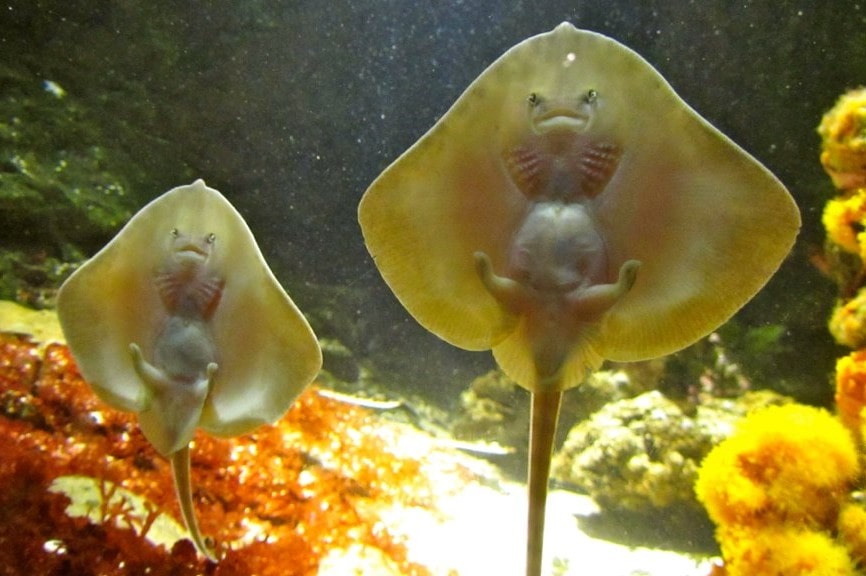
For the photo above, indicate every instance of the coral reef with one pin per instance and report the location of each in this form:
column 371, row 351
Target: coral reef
column 851, row 390
column 781, row 489
column 775, row 489
column 642, row 454
column 756, row 476
column 851, row 526
column 784, row 551
column 846, row 323
column 843, row 219
column 843, row 155
column 843, row 131
column 495, row 409
column 277, row 501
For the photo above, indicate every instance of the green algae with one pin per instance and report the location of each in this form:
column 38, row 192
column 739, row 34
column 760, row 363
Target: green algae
column 59, row 188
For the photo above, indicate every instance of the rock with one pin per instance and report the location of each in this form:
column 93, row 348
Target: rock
column 642, row 454
column 495, row 409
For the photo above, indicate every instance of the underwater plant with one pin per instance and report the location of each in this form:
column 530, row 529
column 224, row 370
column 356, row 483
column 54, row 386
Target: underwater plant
column 537, row 219
column 283, row 499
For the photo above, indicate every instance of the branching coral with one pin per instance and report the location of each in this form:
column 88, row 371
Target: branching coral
column 277, row 500
column 775, row 488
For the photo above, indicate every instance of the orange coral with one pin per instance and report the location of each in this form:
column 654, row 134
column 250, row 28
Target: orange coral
column 844, row 218
column 843, row 131
column 775, row 488
column 848, row 322
column 780, row 488
column 785, row 463
column 851, row 389
column 310, row 483
column 781, row 550
column 851, row 527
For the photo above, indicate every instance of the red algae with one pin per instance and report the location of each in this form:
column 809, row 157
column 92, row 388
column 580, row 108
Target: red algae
column 275, row 501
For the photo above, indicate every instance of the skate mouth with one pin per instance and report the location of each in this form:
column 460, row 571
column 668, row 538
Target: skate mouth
column 559, row 119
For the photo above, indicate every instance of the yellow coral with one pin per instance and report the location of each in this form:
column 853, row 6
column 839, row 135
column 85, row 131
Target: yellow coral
column 783, row 551
column 851, row 389
column 851, row 527
column 844, row 218
column 787, row 463
column 848, row 322
column 843, row 130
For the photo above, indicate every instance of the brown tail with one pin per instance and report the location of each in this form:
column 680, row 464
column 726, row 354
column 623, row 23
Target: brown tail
column 545, row 413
